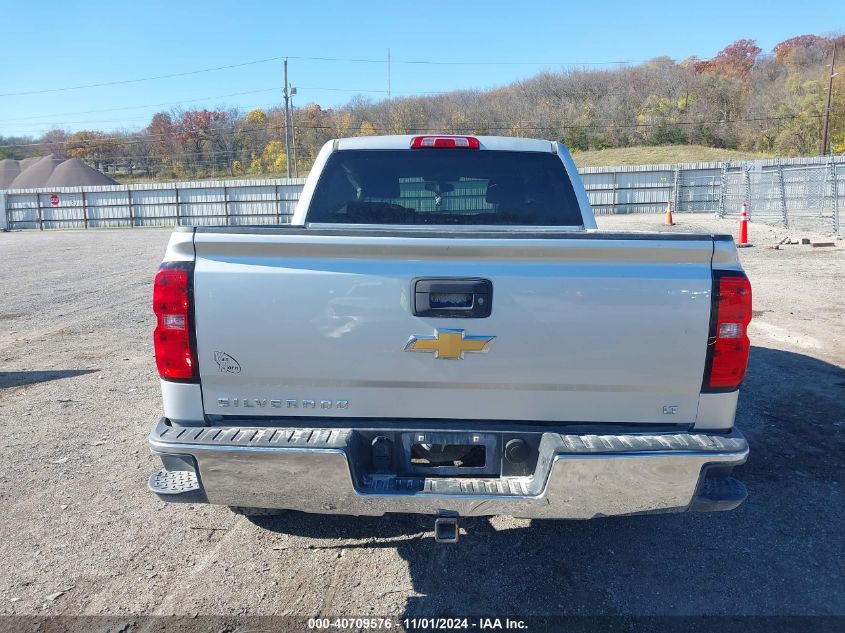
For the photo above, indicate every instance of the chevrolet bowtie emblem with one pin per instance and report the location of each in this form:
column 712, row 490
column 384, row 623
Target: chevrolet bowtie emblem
column 449, row 344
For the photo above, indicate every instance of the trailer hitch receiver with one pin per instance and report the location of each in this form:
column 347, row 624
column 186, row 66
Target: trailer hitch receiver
column 446, row 529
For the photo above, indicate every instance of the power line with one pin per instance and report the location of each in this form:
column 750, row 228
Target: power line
column 51, row 122
column 149, row 105
column 122, row 120
column 342, row 89
column 431, row 62
column 138, row 80
column 175, row 104
column 512, row 63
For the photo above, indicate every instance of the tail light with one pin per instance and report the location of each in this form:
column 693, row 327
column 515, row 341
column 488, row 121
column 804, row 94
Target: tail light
column 728, row 344
column 444, row 142
column 172, row 304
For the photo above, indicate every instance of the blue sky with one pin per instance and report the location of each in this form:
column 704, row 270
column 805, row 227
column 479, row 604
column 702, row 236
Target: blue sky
column 54, row 44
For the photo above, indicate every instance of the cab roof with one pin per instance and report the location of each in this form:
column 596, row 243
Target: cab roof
column 403, row 141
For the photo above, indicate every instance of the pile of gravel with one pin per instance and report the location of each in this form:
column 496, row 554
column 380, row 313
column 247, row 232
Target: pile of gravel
column 36, row 174
column 74, row 173
column 29, row 162
column 9, row 170
column 48, row 171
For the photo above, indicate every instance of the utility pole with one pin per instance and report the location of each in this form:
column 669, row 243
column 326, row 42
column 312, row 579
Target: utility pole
column 388, row 74
column 826, row 127
column 287, row 119
column 292, row 91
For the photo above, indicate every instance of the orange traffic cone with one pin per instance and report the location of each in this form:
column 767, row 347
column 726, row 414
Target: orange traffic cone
column 743, row 226
column 667, row 217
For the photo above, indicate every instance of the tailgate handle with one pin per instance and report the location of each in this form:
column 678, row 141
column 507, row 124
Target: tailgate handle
column 452, row 298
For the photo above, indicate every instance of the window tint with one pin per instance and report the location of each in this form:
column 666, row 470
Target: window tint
column 430, row 186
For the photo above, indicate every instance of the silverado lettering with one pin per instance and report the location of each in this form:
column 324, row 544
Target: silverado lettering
column 281, row 404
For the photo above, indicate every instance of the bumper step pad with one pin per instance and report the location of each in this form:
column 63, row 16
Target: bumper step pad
column 719, row 494
column 177, row 485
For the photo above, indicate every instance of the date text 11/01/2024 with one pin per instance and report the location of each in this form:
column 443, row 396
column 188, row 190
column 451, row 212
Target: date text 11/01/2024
column 419, row 624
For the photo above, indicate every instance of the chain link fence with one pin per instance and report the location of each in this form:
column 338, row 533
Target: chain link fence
column 802, row 197
column 802, row 193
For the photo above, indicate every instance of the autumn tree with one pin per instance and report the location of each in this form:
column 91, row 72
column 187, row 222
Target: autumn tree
column 138, row 153
column 273, row 158
column 313, row 127
column 252, row 132
column 735, row 60
column 366, row 129
column 54, row 142
column 194, row 132
column 94, row 148
column 161, row 132
column 788, row 47
column 224, row 141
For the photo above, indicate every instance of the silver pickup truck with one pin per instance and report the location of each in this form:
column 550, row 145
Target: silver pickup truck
column 443, row 330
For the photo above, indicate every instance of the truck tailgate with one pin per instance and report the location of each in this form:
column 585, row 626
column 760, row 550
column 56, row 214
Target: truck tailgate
column 588, row 328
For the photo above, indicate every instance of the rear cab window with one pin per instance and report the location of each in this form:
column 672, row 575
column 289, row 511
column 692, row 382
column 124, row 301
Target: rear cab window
column 444, row 187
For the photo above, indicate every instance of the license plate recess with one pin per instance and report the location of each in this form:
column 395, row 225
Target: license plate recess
column 451, row 454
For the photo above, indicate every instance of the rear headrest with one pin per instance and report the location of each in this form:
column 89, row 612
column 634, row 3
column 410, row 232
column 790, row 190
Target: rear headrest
column 380, row 185
column 506, row 190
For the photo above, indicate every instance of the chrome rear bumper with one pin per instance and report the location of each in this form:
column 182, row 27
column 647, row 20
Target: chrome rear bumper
column 317, row 470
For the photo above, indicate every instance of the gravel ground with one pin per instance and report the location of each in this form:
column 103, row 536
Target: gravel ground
column 78, row 392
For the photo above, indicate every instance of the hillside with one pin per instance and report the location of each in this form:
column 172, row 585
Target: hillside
column 659, row 154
